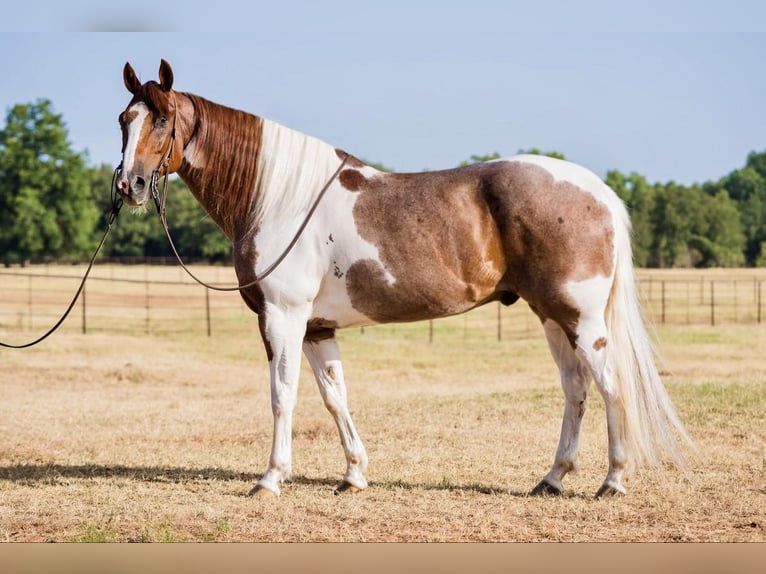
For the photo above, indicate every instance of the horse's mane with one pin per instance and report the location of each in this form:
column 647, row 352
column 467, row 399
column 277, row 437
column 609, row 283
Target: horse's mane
column 226, row 179
column 251, row 166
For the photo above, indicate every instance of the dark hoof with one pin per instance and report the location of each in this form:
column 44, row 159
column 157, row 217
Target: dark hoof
column 545, row 488
column 610, row 490
column 346, row 487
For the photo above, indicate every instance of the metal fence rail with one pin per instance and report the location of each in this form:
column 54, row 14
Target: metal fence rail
column 162, row 300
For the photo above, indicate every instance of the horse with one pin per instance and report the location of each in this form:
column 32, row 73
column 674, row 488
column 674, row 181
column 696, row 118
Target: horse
column 398, row 247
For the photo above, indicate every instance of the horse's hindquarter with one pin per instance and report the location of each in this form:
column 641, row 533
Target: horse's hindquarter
column 415, row 246
column 557, row 221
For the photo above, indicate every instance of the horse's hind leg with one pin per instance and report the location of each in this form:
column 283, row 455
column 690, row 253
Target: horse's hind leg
column 324, row 357
column 575, row 382
column 592, row 342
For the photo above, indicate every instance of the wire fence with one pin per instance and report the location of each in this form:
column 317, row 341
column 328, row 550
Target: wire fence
column 156, row 300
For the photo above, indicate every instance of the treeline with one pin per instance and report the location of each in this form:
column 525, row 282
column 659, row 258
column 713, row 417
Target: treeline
column 53, row 207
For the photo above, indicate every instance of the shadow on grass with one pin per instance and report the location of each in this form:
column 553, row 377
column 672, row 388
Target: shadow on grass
column 451, row 487
column 56, row 474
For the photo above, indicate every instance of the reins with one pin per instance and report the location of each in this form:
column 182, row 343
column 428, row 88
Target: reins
column 110, row 219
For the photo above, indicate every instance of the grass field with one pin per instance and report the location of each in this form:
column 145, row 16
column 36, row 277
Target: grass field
column 136, row 437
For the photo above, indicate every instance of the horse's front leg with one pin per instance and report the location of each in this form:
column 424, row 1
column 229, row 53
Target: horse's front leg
column 282, row 331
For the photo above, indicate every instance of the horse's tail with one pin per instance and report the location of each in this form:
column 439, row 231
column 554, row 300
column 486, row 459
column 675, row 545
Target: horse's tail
column 652, row 427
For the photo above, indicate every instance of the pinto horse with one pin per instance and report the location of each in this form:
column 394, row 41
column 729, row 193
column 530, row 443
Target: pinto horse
column 395, row 247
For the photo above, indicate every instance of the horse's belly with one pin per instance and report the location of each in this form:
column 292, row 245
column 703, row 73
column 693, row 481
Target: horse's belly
column 367, row 294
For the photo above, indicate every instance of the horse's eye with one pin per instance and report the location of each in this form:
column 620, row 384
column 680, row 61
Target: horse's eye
column 162, row 120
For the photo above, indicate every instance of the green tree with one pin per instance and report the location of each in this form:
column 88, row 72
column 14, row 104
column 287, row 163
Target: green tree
column 46, row 210
column 747, row 187
column 719, row 240
column 480, row 158
column 194, row 232
column 536, row 151
column 638, row 196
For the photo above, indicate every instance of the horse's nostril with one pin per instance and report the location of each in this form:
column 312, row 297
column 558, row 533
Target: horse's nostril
column 140, row 183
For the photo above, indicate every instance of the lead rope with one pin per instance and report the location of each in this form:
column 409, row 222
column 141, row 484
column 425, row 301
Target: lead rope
column 116, row 201
column 159, row 200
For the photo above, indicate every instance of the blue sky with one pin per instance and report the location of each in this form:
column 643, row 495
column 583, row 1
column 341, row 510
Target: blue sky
column 672, row 90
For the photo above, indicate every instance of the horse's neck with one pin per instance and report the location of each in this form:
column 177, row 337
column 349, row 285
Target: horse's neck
column 244, row 169
column 220, row 162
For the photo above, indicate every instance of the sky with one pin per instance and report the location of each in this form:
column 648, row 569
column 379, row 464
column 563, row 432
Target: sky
column 671, row 90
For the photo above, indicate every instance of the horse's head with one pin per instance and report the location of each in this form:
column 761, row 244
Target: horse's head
column 148, row 135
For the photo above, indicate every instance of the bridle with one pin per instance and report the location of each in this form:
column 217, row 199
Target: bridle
column 160, row 199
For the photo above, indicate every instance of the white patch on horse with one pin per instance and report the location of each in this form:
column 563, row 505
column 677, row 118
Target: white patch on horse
column 292, row 170
column 346, row 248
column 193, row 155
column 134, row 133
column 590, row 297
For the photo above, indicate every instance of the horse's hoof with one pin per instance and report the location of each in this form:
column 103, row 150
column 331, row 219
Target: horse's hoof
column 262, row 492
column 346, row 487
column 545, row 488
column 610, row 490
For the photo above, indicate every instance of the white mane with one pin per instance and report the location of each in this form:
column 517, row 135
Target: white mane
column 292, row 169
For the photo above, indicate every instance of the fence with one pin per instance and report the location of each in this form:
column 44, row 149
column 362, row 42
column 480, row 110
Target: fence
column 163, row 300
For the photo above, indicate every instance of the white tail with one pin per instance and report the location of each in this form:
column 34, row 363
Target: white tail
column 653, row 429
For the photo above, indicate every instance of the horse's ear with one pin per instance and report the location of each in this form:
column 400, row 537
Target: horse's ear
column 166, row 75
column 131, row 80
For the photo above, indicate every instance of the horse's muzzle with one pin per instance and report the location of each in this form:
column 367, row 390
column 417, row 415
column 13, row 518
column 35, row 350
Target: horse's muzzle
column 134, row 190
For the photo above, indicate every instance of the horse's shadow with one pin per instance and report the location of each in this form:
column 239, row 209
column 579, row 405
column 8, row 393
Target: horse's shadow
column 58, row 473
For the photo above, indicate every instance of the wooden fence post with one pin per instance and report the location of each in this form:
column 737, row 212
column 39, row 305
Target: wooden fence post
column 712, row 303
column 207, row 309
column 29, row 301
column 84, row 307
column 146, row 304
column 499, row 323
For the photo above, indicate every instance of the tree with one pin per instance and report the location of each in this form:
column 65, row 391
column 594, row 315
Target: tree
column 45, row 207
column 720, row 235
column 536, row 151
column 747, row 187
column 480, row 158
column 194, row 232
column 638, row 196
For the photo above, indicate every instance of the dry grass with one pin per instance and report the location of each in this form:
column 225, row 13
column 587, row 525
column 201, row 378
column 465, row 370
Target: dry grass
column 151, row 438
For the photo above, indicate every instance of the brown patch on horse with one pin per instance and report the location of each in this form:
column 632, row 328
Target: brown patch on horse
column 228, row 141
column 553, row 233
column 319, row 330
column 436, row 237
column 455, row 239
column 599, row 343
column 352, row 180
